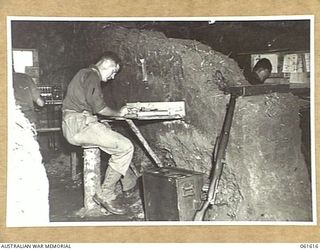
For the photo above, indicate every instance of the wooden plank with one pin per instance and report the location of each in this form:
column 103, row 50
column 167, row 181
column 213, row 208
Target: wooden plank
column 45, row 130
column 144, row 142
column 249, row 90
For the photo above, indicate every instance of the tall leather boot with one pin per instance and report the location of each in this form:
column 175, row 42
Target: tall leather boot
column 107, row 197
column 129, row 184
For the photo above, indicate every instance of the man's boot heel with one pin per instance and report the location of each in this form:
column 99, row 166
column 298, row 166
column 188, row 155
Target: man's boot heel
column 112, row 206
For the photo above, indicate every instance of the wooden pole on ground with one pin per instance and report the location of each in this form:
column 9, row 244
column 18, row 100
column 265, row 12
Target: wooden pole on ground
column 91, row 175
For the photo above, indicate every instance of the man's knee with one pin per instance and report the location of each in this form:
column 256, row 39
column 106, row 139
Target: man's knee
column 128, row 146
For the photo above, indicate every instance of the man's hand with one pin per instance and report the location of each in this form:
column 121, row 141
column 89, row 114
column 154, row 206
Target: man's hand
column 123, row 111
column 40, row 102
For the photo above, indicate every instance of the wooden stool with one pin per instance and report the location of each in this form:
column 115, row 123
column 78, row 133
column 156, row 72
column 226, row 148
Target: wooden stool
column 91, row 174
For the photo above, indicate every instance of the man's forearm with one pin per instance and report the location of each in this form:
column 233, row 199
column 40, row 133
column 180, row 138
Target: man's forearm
column 40, row 102
column 109, row 112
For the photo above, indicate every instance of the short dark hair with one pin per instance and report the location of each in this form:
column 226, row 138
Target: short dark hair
column 110, row 55
column 263, row 63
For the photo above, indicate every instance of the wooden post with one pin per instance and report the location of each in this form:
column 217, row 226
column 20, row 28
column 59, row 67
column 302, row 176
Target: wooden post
column 144, row 142
column 74, row 164
column 91, row 175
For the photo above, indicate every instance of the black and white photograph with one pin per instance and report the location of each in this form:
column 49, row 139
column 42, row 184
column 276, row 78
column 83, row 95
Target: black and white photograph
column 160, row 121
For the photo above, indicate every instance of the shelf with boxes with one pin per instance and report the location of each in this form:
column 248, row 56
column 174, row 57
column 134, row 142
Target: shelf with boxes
column 51, row 94
column 50, row 114
column 49, row 117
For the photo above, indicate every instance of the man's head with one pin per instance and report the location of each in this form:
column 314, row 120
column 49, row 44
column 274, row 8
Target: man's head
column 108, row 65
column 263, row 69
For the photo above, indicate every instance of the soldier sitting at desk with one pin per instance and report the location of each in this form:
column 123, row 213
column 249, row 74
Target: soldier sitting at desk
column 83, row 101
column 26, row 93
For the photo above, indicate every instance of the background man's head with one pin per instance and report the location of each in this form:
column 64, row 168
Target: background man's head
column 108, row 65
column 263, row 69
